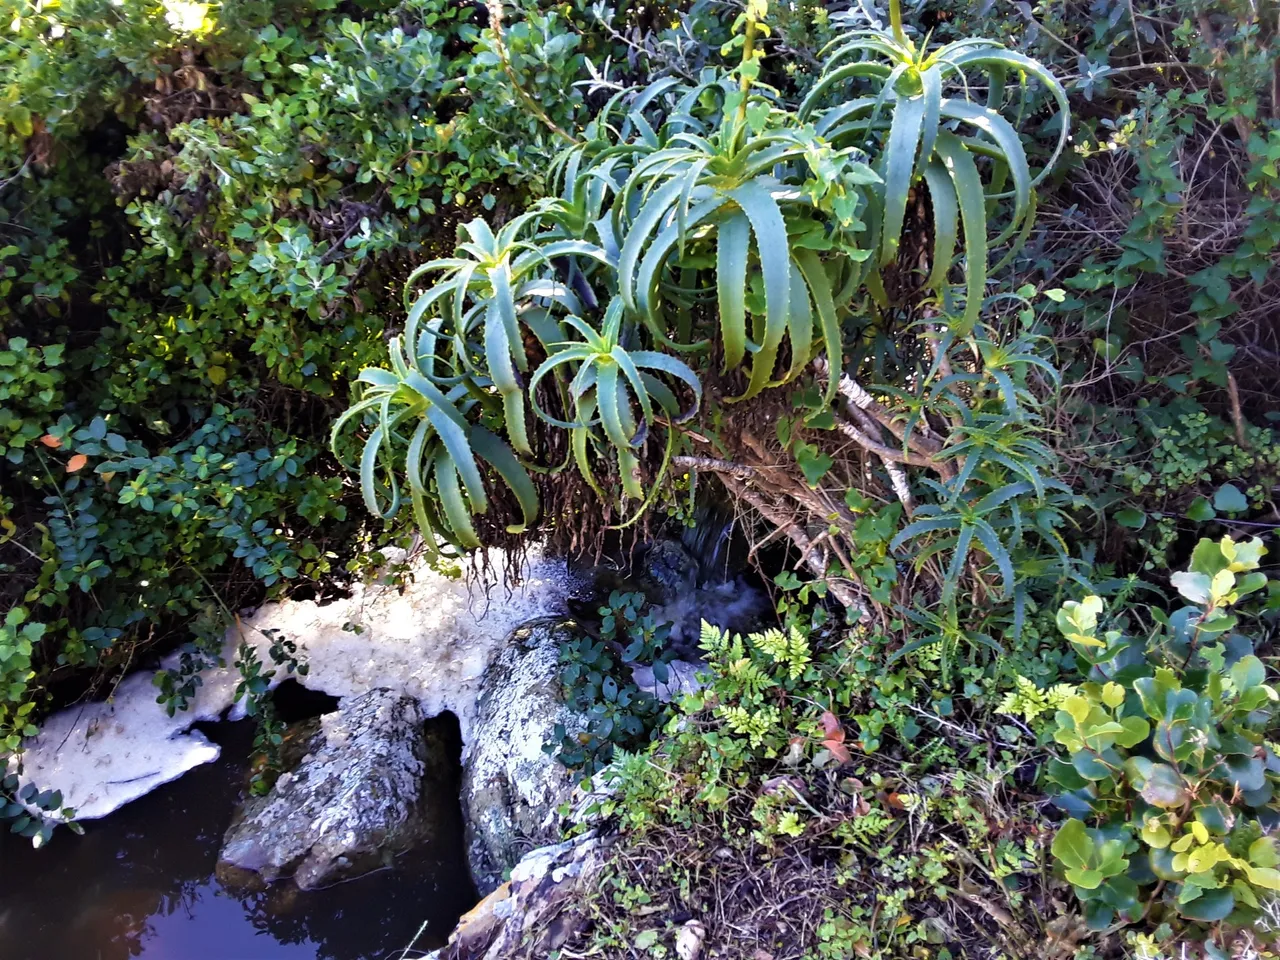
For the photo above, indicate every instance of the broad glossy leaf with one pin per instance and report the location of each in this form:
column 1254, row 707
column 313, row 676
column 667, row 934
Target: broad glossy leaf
column 1072, row 844
column 1210, row 907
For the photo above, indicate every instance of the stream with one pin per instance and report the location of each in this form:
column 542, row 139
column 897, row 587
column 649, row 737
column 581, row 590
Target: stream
column 158, row 792
column 141, row 883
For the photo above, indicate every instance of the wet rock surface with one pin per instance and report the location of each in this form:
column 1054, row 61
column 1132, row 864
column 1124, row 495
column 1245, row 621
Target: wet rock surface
column 366, row 788
column 511, row 787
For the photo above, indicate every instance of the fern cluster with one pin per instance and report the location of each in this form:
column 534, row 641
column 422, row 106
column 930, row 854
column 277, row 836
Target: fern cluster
column 1028, row 701
column 789, row 650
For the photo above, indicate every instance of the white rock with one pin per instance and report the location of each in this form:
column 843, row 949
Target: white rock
column 102, row 755
column 682, row 677
column 431, row 642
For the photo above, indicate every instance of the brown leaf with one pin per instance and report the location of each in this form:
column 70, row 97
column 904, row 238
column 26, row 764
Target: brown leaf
column 832, row 731
column 838, row 749
column 49, row 440
column 895, row 800
column 852, row 786
column 831, row 727
column 76, row 463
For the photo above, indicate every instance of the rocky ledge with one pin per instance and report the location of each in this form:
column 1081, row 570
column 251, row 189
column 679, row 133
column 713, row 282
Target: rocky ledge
column 511, row 787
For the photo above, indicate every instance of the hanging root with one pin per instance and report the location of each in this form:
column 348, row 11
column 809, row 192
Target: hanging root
column 815, row 553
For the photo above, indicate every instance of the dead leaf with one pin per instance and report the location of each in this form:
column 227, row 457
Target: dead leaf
column 775, row 784
column 49, row 440
column 831, row 728
column 838, row 750
column 76, row 463
column 795, row 753
column 689, row 940
column 834, row 737
column 851, row 786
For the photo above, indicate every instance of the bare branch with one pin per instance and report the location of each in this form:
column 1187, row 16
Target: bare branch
column 718, row 466
column 844, row 590
column 860, row 399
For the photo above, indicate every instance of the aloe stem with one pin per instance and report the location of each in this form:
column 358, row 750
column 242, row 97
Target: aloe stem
column 500, row 45
column 895, row 21
column 748, row 51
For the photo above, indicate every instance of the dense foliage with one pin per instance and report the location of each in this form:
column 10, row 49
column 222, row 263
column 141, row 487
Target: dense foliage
column 205, row 214
column 981, row 329
column 1168, row 740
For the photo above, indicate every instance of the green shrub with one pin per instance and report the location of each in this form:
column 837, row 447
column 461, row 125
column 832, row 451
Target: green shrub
column 1167, row 757
column 597, row 679
column 709, row 242
column 205, row 214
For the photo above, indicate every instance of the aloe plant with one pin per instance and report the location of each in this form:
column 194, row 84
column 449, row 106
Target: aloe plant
column 709, row 215
column 934, row 137
column 607, row 377
column 481, row 293
column 426, row 431
column 701, row 186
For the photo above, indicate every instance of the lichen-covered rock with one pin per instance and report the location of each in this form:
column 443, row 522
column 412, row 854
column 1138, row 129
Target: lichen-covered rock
column 537, row 910
column 511, row 788
column 364, row 791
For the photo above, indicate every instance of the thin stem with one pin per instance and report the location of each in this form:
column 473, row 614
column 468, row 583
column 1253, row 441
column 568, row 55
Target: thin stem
column 895, row 21
column 748, row 53
column 500, row 44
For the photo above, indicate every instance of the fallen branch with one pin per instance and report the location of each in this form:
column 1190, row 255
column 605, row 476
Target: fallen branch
column 879, row 449
column 897, row 476
column 716, row 466
column 860, row 399
column 843, row 590
column 898, row 479
column 1237, row 415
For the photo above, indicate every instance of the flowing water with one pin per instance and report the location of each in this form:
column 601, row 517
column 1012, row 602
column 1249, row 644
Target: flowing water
column 141, row 883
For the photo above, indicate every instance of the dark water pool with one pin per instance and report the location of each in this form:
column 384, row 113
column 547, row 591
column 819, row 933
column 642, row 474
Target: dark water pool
column 140, row 883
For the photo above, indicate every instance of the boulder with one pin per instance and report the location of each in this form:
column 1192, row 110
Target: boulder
column 364, row 790
column 683, row 676
column 511, row 788
column 538, row 909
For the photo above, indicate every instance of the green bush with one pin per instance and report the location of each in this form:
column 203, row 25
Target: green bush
column 205, row 214
column 1167, row 755
column 596, row 674
column 708, row 241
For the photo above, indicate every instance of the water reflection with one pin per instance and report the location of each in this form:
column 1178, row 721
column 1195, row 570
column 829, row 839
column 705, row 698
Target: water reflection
column 140, row 884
